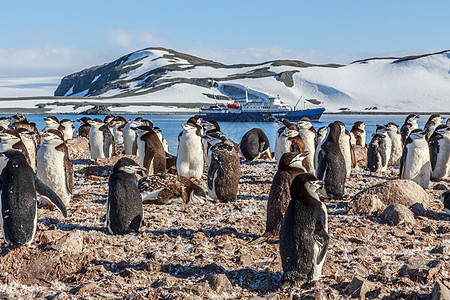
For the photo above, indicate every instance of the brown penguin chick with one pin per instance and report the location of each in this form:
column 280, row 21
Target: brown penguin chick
column 358, row 134
column 291, row 164
column 165, row 189
column 151, row 151
column 85, row 127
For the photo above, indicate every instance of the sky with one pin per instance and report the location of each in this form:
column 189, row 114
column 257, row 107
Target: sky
column 57, row 38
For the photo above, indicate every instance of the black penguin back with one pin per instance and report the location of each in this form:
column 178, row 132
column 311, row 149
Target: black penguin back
column 124, row 206
column 253, row 143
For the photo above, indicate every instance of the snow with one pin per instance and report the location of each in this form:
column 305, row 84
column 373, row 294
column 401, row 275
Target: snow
column 70, row 91
column 420, row 85
column 96, row 77
column 80, row 94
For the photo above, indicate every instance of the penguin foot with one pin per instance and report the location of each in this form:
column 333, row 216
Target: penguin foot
column 292, row 279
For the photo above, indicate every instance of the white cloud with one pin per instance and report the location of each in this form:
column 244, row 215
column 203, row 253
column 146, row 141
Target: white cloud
column 133, row 39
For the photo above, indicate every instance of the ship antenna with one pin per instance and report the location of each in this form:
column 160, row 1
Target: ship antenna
column 295, row 106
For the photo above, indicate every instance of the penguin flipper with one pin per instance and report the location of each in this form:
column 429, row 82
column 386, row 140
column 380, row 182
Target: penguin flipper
column 321, row 166
column 44, row 190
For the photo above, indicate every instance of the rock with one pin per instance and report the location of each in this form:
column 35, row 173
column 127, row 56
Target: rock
column 220, row 283
column 245, row 260
column 359, row 287
column 111, row 161
column 78, row 147
column 50, row 236
column 360, row 155
column 71, row 244
column 376, row 198
column 441, row 291
column 398, row 214
column 420, row 270
column 386, row 273
column 97, row 110
column 201, row 288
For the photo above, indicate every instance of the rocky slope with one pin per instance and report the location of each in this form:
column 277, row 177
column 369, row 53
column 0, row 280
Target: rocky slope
column 201, row 251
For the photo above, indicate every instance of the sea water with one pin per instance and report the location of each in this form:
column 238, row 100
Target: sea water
column 171, row 125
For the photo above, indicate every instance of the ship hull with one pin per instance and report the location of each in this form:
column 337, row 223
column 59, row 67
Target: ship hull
column 312, row 114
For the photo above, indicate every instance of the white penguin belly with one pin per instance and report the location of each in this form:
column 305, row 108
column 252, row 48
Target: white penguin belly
column 417, row 165
column 50, row 169
column 442, row 167
column 283, row 146
column 212, row 192
column 344, row 145
column 96, row 144
column 190, row 157
column 308, row 142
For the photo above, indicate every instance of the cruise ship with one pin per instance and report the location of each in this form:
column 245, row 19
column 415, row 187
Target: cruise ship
column 265, row 110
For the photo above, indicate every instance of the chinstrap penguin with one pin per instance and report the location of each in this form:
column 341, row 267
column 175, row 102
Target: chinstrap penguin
column 10, row 139
column 291, row 164
column 445, row 198
column 439, row 145
column 101, row 140
column 223, row 171
column 190, row 157
column 309, row 139
column 85, row 127
column 396, row 144
column 19, row 184
column 331, row 164
column 346, row 148
column 253, row 144
column 68, row 129
column 409, row 125
column 124, row 212
column 415, row 163
column 151, row 151
column 358, row 134
column 433, row 121
column 288, row 141
column 304, row 233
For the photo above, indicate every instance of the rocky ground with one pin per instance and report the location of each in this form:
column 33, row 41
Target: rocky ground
column 201, row 251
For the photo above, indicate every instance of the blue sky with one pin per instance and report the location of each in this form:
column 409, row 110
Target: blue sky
column 42, row 38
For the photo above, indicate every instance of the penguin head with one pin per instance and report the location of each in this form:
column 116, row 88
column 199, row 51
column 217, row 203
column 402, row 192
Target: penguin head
column 333, row 132
column 292, row 160
column 322, row 131
column 210, row 125
column 5, row 122
column 381, row 129
column 443, row 130
column 127, row 165
column 52, row 135
column 215, row 138
column 359, row 125
column 83, row 121
column 291, row 131
column 417, row 134
column 412, row 118
column 305, row 184
column 108, row 119
column 51, row 121
column 341, row 126
column 25, row 134
column 66, row 123
column 189, row 127
column 435, row 119
column 13, row 155
column 118, row 121
column 96, row 122
column 9, row 136
column 195, row 121
column 18, row 118
column 392, row 127
column 141, row 130
column 283, row 122
column 304, row 123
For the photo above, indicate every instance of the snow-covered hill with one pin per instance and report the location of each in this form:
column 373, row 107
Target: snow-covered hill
column 163, row 80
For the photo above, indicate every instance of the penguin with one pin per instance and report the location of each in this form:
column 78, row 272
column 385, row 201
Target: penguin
column 118, row 125
column 68, row 129
column 439, row 145
column 321, row 134
column 291, row 164
column 5, row 122
column 151, row 152
column 53, row 165
column 190, row 158
column 212, row 129
column 448, row 122
column 346, row 148
column 409, row 125
column 223, row 172
column 379, row 151
column 52, row 122
column 396, row 144
column 163, row 141
column 18, row 118
column 29, row 127
column 18, row 185
column 29, row 141
column 304, row 232
column 433, row 121
column 85, row 127
column 124, row 211
column 165, row 189
column 309, row 139
column 10, row 139
column 331, row 164
column 101, row 140
column 130, row 135
column 253, row 144
column 445, row 198
column 288, row 141
column 358, row 134
column 415, row 163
